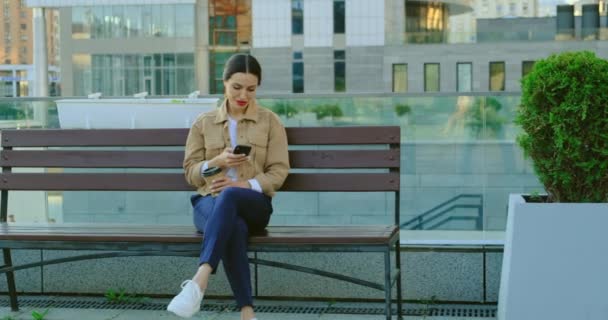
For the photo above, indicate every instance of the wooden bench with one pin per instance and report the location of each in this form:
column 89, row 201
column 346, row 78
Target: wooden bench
column 71, row 148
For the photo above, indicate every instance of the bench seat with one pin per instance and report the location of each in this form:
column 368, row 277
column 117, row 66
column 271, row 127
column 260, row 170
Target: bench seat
column 294, row 235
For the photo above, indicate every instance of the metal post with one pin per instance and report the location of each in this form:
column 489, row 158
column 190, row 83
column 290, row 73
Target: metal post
column 399, row 276
column 10, row 280
column 387, row 284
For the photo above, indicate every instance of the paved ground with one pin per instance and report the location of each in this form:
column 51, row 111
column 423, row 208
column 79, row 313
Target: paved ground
column 307, row 311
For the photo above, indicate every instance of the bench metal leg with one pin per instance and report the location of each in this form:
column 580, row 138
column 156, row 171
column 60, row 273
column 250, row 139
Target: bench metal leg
column 399, row 276
column 10, row 280
column 388, row 289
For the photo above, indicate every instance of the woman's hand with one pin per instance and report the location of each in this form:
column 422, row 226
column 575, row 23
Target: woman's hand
column 227, row 159
column 222, row 183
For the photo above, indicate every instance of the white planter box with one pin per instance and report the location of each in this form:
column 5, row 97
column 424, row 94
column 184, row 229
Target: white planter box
column 555, row 263
column 131, row 113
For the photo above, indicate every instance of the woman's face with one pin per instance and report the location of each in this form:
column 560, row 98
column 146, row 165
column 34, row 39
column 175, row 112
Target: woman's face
column 240, row 90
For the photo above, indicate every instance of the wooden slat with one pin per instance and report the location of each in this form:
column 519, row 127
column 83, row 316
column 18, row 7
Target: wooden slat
column 344, row 159
column 302, row 235
column 94, row 181
column 93, row 137
column 91, row 159
column 343, row 135
column 174, row 159
column 341, row 182
column 176, row 181
column 177, row 137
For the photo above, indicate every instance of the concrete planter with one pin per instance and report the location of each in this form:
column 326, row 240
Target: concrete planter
column 131, row 113
column 555, row 263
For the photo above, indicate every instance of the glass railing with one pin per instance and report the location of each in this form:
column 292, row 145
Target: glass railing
column 459, row 163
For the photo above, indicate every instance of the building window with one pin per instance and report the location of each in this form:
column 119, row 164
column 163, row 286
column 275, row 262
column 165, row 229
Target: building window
column 431, row 77
column 526, row 67
column 297, row 17
column 400, row 77
column 23, row 26
column 497, row 76
column 339, row 13
column 298, row 73
column 464, row 77
column 339, row 71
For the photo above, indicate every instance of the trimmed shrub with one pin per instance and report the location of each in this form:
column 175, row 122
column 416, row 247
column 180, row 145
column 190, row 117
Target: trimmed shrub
column 564, row 115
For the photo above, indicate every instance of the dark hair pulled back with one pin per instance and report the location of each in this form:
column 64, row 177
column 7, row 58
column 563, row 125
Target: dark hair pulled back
column 244, row 63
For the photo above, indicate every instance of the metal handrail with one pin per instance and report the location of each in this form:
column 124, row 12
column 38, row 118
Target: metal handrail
column 418, row 222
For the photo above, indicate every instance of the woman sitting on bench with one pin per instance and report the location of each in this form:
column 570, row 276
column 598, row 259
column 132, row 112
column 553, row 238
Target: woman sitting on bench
column 236, row 202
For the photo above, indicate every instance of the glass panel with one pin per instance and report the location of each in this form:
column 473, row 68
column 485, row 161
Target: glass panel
column 168, row 20
column 169, row 81
column 298, row 77
column 339, row 13
column 425, row 22
column 133, row 21
column 431, row 77
column 400, row 77
column 81, row 22
column 82, row 74
column 185, row 59
column 118, row 22
column 339, row 76
column 185, row 81
column 526, row 67
column 184, row 20
column 497, row 76
column 464, row 77
column 297, row 17
column 146, row 21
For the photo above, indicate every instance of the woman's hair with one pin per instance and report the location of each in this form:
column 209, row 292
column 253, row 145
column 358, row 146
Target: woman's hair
column 244, row 63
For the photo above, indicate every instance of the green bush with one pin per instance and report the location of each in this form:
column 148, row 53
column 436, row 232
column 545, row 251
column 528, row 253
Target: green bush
column 564, row 115
column 402, row 109
column 327, row 110
column 285, row 109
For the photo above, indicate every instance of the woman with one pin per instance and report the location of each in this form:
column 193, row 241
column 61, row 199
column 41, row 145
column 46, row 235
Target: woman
column 243, row 205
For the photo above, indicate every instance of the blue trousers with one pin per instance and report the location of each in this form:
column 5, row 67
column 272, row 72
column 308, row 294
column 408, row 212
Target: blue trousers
column 226, row 222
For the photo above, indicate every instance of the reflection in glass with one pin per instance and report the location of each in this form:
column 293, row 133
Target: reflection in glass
column 119, row 75
column 297, row 17
column 339, row 71
column 184, row 21
column 526, row 67
column 400, row 77
column 431, row 77
column 464, row 76
column 425, row 21
column 339, row 16
column 497, row 76
column 229, row 22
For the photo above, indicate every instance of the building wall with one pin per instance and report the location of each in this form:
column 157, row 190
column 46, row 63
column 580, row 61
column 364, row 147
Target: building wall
column 271, row 22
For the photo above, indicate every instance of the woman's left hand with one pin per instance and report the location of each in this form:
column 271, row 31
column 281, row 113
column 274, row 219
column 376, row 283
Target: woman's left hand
column 222, row 183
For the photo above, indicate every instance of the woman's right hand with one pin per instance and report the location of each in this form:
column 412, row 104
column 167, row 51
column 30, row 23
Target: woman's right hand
column 227, row 159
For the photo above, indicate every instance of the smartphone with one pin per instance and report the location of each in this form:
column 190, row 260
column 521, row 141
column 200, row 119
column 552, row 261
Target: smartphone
column 242, row 149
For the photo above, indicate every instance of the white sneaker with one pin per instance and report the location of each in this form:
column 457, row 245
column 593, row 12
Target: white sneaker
column 188, row 301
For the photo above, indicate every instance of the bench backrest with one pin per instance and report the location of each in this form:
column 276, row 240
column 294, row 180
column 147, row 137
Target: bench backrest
column 76, row 148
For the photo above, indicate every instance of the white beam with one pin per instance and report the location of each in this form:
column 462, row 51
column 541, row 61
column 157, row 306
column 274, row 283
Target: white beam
column 41, row 65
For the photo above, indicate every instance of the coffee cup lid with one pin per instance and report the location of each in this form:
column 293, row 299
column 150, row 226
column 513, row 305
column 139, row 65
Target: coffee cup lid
column 211, row 171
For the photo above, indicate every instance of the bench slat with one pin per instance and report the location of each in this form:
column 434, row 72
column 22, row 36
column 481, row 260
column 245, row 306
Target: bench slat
column 187, row 234
column 326, row 159
column 343, row 135
column 177, row 137
column 176, row 181
column 93, row 137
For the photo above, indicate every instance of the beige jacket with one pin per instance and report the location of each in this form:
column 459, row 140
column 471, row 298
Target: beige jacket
column 259, row 128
